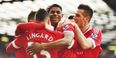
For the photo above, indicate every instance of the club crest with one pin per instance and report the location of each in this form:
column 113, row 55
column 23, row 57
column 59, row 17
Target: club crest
column 94, row 35
column 66, row 27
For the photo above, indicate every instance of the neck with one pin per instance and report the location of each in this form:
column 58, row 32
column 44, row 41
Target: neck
column 54, row 25
column 84, row 29
column 43, row 22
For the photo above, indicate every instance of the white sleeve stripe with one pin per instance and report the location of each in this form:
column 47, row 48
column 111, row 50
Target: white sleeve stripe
column 14, row 45
column 68, row 32
column 93, row 42
column 30, row 43
column 17, row 35
column 70, row 35
column 71, row 45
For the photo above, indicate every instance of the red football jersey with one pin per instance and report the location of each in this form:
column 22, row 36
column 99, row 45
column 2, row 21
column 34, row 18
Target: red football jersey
column 35, row 33
column 76, row 51
column 18, row 44
column 44, row 36
column 95, row 36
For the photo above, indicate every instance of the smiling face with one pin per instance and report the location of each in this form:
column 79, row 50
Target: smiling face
column 55, row 14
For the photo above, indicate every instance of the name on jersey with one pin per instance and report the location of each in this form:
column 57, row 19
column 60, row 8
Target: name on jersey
column 40, row 35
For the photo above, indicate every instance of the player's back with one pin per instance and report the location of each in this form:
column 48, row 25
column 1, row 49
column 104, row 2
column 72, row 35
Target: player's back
column 43, row 36
column 20, row 39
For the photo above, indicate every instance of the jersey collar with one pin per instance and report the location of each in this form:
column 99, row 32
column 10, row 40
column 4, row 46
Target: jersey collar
column 88, row 30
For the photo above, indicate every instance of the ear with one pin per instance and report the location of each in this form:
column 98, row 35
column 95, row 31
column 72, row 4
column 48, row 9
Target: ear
column 88, row 18
column 48, row 20
column 62, row 15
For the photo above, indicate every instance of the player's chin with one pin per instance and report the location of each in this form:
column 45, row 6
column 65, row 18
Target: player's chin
column 54, row 21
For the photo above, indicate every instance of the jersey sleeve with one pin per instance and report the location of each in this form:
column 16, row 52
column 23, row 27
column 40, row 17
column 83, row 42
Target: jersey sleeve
column 14, row 45
column 58, row 35
column 10, row 48
column 68, row 27
column 68, row 31
column 18, row 42
column 96, row 37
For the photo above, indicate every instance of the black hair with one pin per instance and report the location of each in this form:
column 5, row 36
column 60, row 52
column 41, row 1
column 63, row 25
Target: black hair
column 71, row 17
column 31, row 15
column 54, row 5
column 41, row 15
column 88, row 11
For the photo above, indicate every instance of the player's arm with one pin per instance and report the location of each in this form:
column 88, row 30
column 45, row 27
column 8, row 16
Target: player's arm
column 83, row 41
column 66, row 41
column 12, row 46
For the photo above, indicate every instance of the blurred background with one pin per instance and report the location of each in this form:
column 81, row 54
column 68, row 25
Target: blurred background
column 13, row 12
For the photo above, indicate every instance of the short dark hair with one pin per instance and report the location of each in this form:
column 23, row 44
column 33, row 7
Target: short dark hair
column 88, row 11
column 71, row 17
column 31, row 15
column 41, row 15
column 54, row 5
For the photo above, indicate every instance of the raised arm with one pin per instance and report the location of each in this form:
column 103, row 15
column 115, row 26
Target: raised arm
column 84, row 42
